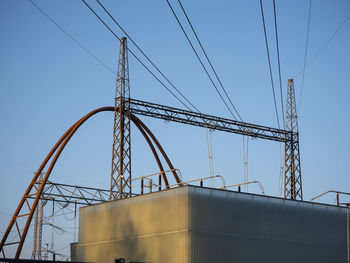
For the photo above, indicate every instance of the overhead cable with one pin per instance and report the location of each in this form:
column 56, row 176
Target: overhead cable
column 324, row 45
column 72, row 38
column 101, row 20
column 281, row 92
column 143, row 53
column 200, row 61
column 268, row 57
column 205, row 53
column 305, row 54
column 278, row 58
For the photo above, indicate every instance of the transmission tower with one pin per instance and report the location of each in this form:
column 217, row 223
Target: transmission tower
column 121, row 153
column 292, row 173
column 38, row 227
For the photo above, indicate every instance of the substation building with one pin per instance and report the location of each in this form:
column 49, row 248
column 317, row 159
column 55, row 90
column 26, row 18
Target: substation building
column 191, row 224
column 204, row 225
column 198, row 224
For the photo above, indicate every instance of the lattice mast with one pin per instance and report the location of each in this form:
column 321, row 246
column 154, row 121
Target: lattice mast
column 121, row 153
column 292, row 173
column 38, row 227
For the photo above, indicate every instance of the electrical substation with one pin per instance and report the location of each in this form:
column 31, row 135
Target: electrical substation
column 163, row 218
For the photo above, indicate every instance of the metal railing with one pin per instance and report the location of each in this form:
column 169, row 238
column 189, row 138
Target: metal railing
column 338, row 193
column 251, row 182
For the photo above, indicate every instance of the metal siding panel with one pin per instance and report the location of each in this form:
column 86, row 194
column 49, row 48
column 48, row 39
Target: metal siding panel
column 238, row 227
column 192, row 224
column 152, row 227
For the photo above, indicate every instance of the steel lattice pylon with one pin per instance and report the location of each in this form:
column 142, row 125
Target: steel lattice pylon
column 121, row 153
column 38, row 227
column 292, row 173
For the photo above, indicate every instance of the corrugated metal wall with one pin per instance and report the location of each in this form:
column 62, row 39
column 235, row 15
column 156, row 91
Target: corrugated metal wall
column 149, row 228
column 241, row 227
column 193, row 224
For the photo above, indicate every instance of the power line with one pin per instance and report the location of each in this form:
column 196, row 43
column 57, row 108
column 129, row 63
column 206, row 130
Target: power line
column 100, row 19
column 200, row 61
column 306, row 47
column 325, row 44
column 268, row 57
column 143, row 53
column 281, row 92
column 209, row 142
column 278, row 57
column 71, row 37
column 194, row 32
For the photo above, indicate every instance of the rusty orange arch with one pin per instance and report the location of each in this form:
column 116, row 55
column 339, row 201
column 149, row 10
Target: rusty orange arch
column 36, row 186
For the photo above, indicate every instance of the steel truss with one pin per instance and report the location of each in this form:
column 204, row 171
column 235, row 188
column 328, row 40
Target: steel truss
column 121, row 152
column 31, row 197
column 292, row 169
column 65, row 195
column 290, row 136
column 74, row 194
column 29, row 201
column 206, row 121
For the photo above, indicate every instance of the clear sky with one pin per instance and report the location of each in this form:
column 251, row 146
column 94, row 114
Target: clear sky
column 48, row 82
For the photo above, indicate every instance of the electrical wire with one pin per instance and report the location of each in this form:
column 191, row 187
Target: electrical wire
column 278, row 58
column 209, row 135
column 72, row 38
column 211, row 65
column 324, row 45
column 66, row 213
column 114, row 34
column 199, row 59
column 67, row 218
column 62, row 248
column 281, row 173
column 143, row 53
column 268, row 57
column 305, row 55
column 245, row 163
column 218, row 79
column 281, row 93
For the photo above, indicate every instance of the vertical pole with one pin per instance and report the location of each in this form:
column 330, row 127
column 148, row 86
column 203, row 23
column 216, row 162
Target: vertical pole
column 53, row 224
column 35, row 237
column 347, row 230
column 337, row 198
column 160, row 182
column 150, row 185
column 38, row 226
column 75, row 222
column 292, row 172
column 142, row 185
column 121, row 152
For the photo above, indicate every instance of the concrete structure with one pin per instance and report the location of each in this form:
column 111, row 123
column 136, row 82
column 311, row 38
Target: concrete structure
column 193, row 224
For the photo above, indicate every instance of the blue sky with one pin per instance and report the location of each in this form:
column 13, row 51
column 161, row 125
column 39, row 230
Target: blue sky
column 48, row 82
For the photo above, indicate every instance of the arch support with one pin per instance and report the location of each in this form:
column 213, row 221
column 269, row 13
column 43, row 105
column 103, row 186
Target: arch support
column 26, row 207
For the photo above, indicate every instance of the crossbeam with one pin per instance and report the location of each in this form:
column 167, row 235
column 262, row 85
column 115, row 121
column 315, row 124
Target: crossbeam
column 74, row 194
column 207, row 121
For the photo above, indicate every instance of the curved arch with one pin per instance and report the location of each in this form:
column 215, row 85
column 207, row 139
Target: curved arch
column 61, row 143
column 159, row 147
column 154, row 153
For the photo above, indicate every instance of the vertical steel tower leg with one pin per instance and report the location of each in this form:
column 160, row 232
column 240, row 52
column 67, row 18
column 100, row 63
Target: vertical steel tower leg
column 38, row 226
column 121, row 152
column 292, row 173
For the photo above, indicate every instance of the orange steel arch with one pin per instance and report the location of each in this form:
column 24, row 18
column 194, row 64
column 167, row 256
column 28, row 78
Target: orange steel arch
column 36, row 186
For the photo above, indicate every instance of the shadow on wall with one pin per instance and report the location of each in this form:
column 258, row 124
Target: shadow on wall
column 121, row 243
